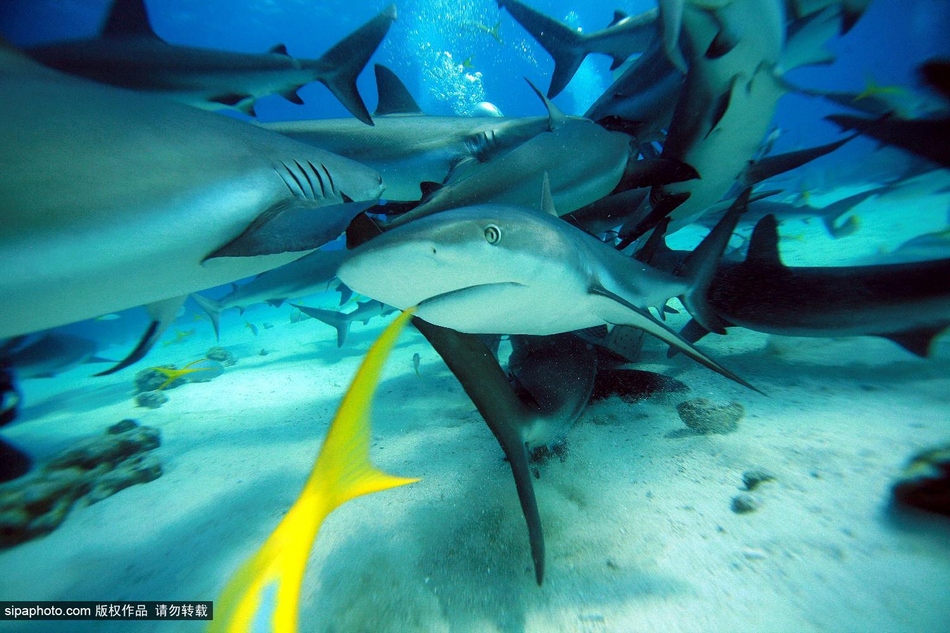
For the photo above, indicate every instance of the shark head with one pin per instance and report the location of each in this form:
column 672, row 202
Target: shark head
column 479, row 269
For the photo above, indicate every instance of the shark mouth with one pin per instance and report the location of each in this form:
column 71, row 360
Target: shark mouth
column 468, row 292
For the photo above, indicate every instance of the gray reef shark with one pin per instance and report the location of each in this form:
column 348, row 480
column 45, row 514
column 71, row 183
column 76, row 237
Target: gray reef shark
column 341, row 321
column 310, row 274
column 493, row 269
column 113, row 199
column 727, row 101
column 129, row 54
column 908, row 303
column 408, row 147
column 624, row 36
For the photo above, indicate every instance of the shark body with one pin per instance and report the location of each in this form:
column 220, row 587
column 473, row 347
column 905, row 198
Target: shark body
column 130, row 55
column 908, row 303
column 310, row 274
column 408, row 147
column 501, row 269
column 114, row 199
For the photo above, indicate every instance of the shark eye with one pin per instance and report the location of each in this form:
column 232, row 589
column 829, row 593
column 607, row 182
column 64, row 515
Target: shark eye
column 492, row 234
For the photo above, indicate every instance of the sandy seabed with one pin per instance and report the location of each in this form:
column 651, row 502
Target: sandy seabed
column 639, row 528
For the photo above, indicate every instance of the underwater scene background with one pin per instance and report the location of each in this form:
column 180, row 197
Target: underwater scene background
column 684, row 502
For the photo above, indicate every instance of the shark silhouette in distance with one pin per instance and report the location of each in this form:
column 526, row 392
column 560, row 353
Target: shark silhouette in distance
column 129, row 54
column 310, row 274
column 213, row 200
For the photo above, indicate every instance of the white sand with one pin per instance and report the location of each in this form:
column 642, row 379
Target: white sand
column 639, row 531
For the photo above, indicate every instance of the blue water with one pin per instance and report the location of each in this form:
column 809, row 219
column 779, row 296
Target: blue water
column 442, row 51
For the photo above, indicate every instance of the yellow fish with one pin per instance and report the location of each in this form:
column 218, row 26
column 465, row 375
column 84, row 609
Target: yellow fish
column 342, row 472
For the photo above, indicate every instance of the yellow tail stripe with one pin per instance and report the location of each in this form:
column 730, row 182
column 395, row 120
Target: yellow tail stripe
column 342, row 472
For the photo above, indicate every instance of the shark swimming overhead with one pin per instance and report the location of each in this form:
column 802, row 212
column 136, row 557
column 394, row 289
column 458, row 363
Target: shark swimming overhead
column 408, row 147
column 113, row 199
column 129, row 54
column 625, row 36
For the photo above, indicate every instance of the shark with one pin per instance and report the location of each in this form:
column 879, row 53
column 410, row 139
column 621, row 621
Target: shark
column 341, row 321
column 727, row 100
column 113, row 199
column 908, row 303
column 409, row 147
column 497, row 269
column 310, row 274
column 625, row 36
column 129, row 54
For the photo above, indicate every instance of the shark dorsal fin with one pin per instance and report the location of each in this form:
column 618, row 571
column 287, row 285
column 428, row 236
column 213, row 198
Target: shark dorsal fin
column 279, row 49
column 547, row 202
column 394, row 98
column 128, row 18
column 763, row 245
column 427, row 188
column 618, row 16
column 556, row 118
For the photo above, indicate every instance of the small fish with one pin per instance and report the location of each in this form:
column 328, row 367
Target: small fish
column 108, row 317
column 180, row 336
column 343, row 471
column 251, row 327
column 202, row 364
column 416, row 359
column 494, row 31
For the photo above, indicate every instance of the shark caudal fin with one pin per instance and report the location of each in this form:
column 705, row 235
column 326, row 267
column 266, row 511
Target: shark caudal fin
column 343, row 471
column 336, row 320
column 213, row 309
column 562, row 43
column 343, row 63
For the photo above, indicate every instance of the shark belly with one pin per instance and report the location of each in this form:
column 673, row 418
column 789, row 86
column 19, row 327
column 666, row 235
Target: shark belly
column 116, row 200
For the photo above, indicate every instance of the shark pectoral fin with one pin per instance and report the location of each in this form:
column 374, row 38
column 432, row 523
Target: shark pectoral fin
column 636, row 317
column 162, row 313
column 343, row 63
column 654, row 171
column 691, row 333
column 770, row 166
column 336, row 320
column 918, row 340
column 292, row 226
column 661, row 209
column 342, row 472
column 394, row 97
column 487, row 385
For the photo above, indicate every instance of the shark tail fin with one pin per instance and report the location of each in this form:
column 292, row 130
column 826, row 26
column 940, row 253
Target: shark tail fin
column 340, row 65
column 337, row 320
column 162, row 314
column 562, row 43
column 343, row 471
column 213, row 309
column 700, row 266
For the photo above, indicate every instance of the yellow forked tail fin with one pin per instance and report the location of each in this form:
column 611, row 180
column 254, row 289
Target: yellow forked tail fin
column 342, row 472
